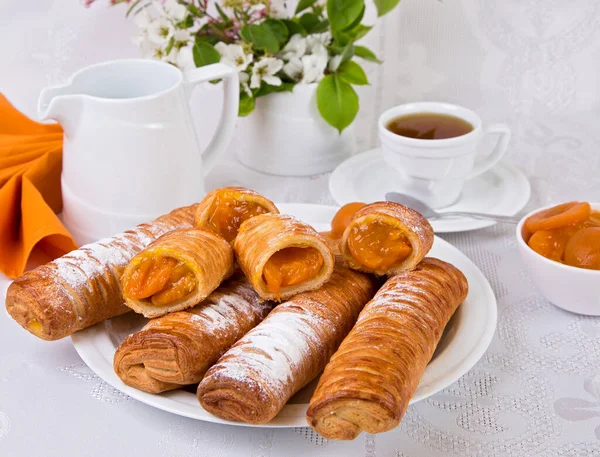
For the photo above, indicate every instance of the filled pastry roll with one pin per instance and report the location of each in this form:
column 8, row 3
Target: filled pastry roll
column 282, row 256
column 82, row 288
column 386, row 238
column 223, row 210
column 369, row 381
column 176, row 272
column 178, row 348
column 254, row 380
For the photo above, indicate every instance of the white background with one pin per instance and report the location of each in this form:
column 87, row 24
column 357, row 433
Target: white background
column 534, row 64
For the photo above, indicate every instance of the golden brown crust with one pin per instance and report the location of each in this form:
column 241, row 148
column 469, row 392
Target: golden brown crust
column 206, row 254
column 82, row 288
column 369, row 381
column 415, row 227
column 178, row 348
column 262, row 236
column 260, row 373
column 205, row 207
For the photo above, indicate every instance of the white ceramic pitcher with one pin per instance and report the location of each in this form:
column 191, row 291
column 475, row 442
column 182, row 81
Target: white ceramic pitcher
column 130, row 150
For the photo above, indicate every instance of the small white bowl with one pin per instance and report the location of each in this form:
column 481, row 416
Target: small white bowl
column 571, row 288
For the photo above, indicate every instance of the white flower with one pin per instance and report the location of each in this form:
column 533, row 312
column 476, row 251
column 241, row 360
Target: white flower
column 319, row 50
column 265, row 70
column 317, row 41
column 233, row 55
column 256, row 8
column 296, row 47
column 143, row 19
column 294, row 68
column 334, row 63
column 185, row 58
column 160, row 31
column 313, row 68
column 181, row 38
column 175, row 10
column 244, row 78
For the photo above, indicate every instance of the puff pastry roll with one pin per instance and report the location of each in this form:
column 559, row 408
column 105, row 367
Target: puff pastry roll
column 386, row 238
column 282, row 256
column 223, row 210
column 254, row 380
column 178, row 348
column 369, row 381
column 176, row 272
column 82, row 288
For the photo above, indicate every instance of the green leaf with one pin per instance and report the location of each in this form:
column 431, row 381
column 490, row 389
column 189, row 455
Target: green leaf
column 309, row 21
column 366, row 54
column 352, row 73
column 205, row 54
column 194, row 10
column 303, row 4
column 278, row 28
column 261, row 37
column 210, row 39
column 169, row 45
column 246, row 105
column 224, row 17
column 356, row 22
column 337, row 102
column 186, row 23
column 385, row 6
column 132, row 7
column 360, row 31
column 344, row 13
column 347, row 53
column 294, row 27
column 266, row 89
column 321, row 27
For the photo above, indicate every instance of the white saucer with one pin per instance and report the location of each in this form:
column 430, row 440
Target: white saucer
column 502, row 190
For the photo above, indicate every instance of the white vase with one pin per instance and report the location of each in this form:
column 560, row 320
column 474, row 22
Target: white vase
column 286, row 136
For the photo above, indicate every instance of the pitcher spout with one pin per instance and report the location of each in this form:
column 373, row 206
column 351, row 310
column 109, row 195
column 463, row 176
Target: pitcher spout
column 58, row 103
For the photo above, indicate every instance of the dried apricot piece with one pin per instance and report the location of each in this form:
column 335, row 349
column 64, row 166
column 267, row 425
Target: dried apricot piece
column 583, row 249
column 558, row 216
column 549, row 243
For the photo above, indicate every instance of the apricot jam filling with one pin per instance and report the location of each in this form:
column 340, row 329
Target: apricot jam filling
column 342, row 218
column 162, row 280
column 228, row 213
column 567, row 233
column 291, row 266
column 378, row 246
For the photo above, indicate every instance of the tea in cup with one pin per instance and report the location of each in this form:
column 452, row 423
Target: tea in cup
column 435, row 147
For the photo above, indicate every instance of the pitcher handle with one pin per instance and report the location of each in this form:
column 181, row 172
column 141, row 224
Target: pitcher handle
column 229, row 114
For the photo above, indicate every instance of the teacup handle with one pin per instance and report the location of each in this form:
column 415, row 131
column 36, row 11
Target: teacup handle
column 231, row 100
column 491, row 159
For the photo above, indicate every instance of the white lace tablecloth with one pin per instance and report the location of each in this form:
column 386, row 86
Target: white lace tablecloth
column 534, row 64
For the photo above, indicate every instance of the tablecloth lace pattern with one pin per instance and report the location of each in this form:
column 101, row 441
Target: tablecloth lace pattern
column 531, row 63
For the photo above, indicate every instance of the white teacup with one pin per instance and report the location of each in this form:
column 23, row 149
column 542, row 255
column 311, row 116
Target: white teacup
column 434, row 171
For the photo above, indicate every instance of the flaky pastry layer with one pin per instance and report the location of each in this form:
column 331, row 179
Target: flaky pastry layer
column 262, row 236
column 206, row 254
column 370, row 380
column 82, row 288
column 415, row 228
column 178, row 348
column 260, row 373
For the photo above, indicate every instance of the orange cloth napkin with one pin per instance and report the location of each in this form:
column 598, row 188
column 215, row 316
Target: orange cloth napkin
column 30, row 167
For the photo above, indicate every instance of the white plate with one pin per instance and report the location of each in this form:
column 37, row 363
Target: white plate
column 502, row 190
column 465, row 340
